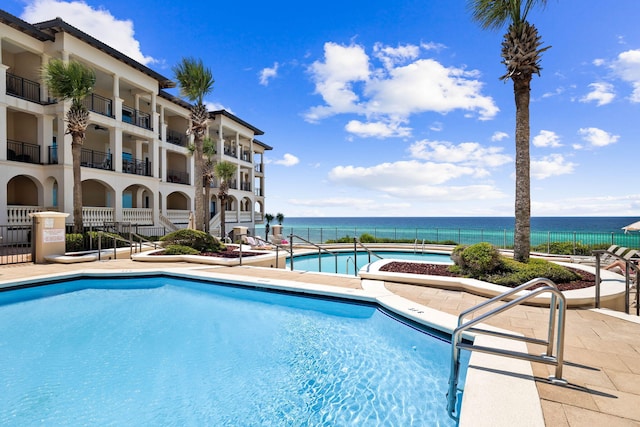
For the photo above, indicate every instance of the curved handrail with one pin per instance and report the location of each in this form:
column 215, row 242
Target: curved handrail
column 629, row 265
column 357, row 242
column 557, row 304
column 320, row 250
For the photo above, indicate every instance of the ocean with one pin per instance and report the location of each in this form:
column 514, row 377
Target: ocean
column 566, row 224
column 602, row 231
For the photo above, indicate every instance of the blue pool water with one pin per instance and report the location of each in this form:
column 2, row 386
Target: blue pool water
column 166, row 351
column 347, row 262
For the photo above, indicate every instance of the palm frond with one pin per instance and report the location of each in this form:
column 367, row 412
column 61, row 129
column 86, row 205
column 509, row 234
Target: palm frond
column 72, row 80
column 495, row 14
column 195, row 80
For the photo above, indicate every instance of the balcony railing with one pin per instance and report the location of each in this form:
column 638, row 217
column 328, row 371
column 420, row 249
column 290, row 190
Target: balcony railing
column 25, row 152
column 245, row 155
column 99, row 104
column 176, row 138
column 136, row 117
column 233, row 185
column 137, row 167
column 23, row 88
column 245, row 186
column 259, row 168
column 230, row 151
column 53, row 155
column 96, row 159
column 258, row 192
column 177, row 177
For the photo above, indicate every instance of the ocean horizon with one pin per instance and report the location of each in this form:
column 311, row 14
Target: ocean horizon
column 602, row 231
column 603, row 224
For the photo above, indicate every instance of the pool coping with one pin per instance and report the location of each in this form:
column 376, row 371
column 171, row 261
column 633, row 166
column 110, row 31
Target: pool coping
column 612, row 286
column 497, row 390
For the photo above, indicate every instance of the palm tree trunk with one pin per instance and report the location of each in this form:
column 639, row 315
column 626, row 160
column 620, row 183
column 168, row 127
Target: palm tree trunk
column 522, row 236
column 197, row 181
column 207, row 204
column 76, row 151
column 223, row 218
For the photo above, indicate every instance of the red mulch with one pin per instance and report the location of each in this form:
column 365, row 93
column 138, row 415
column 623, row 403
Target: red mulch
column 587, row 279
column 226, row 253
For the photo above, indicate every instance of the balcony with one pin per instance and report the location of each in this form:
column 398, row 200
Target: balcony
column 259, row 168
column 136, row 117
column 25, row 152
column 177, row 177
column 53, row 154
column 176, row 138
column 245, row 155
column 23, row 88
column 96, row 159
column 230, row 151
column 99, row 104
column 258, row 192
column 137, row 167
column 245, row 186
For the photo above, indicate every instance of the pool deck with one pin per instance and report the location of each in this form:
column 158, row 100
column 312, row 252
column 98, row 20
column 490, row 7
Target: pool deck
column 602, row 348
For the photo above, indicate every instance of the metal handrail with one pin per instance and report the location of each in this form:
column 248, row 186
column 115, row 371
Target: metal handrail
column 558, row 304
column 629, row 265
column 320, row 249
column 356, row 242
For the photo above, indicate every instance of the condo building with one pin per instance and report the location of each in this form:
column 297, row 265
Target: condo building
column 136, row 165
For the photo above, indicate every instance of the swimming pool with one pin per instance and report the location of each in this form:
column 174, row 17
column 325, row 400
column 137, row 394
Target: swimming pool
column 346, row 263
column 170, row 351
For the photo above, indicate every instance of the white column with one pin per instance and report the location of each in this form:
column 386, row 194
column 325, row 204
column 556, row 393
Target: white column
column 45, row 134
column 44, row 90
column 3, row 133
column 117, row 100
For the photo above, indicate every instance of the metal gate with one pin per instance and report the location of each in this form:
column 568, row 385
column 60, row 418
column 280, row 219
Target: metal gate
column 15, row 244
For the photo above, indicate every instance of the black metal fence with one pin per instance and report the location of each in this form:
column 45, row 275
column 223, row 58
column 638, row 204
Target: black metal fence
column 15, row 244
column 544, row 241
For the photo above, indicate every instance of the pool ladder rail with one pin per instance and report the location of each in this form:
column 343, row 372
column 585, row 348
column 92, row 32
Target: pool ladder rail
column 415, row 246
column 557, row 310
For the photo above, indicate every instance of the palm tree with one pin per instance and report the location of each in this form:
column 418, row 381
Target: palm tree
column 224, row 171
column 72, row 81
column 521, row 54
column 268, row 218
column 279, row 218
column 195, row 82
column 209, row 150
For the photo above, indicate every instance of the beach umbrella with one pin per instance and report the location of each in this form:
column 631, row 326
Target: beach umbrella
column 632, row 227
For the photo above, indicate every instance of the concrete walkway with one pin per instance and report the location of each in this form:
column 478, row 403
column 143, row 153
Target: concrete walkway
column 602, row 351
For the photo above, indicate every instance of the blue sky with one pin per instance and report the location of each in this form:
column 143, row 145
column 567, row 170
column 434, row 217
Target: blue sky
column 379, row 108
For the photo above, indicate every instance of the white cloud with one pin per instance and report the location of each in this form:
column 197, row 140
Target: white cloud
column 216, row 106
column 99, row 23
column 268, row 73
column 392, row 56
column 377, row 129
column 499, row 136
column 414, row 179
column 552, row 165
column 546, row 138
column 467, row 153
column 349, row 82
column 436, row 127
column 597, row 137
column 627, row 67
column 602, row 93
column 287, row 160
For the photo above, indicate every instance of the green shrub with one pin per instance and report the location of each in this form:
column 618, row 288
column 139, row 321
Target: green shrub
column 367, row 238
column 481, row 258
column 198, row 240
column 180, row 250
column 515, row 273
column 567, row 248
column 74, row 242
